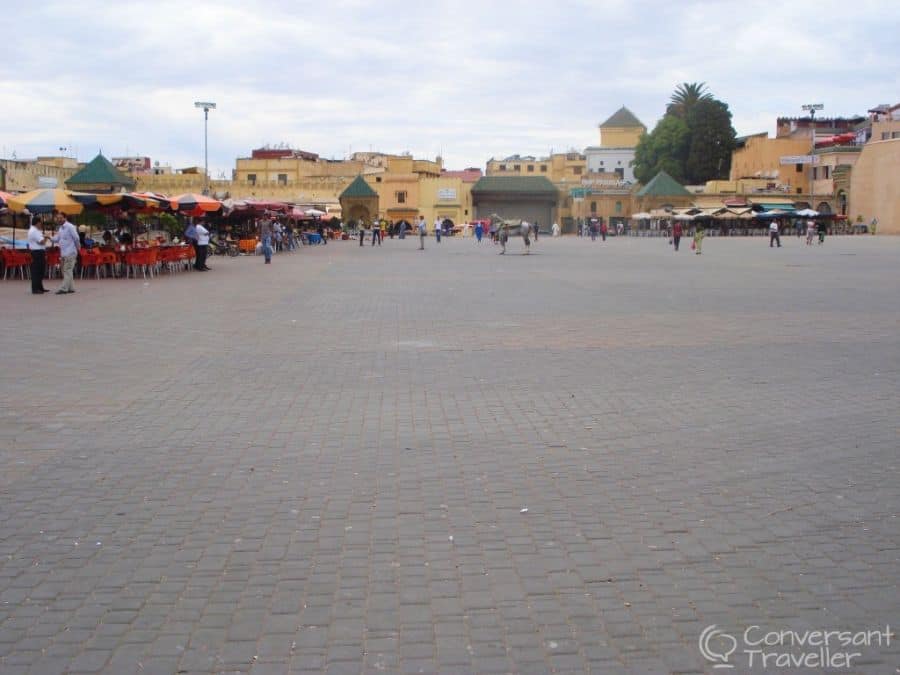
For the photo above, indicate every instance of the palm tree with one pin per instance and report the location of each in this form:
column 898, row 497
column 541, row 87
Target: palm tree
column 685, row 96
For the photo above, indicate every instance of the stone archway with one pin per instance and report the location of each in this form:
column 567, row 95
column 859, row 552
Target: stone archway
column 842, row 202
column 359, row 213
column 824, row 208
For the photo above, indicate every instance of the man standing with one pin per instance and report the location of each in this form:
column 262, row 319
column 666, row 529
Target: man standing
column 773, row 233
column 503, row 236
column 265, row 236
column 604, row 229
column 69, row 243
column 202, row 247
column 190, row 236
column 422, row 227
column 438, row 226
column 36, row 245
column 376, row 232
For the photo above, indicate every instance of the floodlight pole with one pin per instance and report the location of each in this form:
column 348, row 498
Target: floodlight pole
column 811, row 108
column 207, row 106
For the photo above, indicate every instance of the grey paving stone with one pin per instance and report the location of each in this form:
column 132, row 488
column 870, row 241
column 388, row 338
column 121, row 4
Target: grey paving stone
column 274, row 460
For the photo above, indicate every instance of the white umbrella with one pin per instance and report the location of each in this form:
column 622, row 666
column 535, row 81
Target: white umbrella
column 314, row 212
column 640, row 216
column 683, row 216
column 806, row 213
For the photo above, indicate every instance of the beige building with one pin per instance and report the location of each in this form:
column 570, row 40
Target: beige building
column 23, row 175
column 874, row 191
column 759, row 157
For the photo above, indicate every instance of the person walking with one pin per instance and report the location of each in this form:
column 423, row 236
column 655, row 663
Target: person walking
column 422, row 227
column 37, row 244
column 202, row 247
column 376, row 232
column 810, row 231
column 479, row 231
column 698, row 240
column 823, row 229
column 265, row 236
column 525, row 230
column 554, row 230
column 69, row 243
column 535, row 229
column 593, row 230
column 503, row 236
column 774, row 234
column 362, row 232
column 604, row 229
column 320, row 230
column 676, row 234
column 438, row 228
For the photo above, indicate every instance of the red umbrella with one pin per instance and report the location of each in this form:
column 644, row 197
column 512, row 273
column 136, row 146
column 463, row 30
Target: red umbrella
column 194, row 202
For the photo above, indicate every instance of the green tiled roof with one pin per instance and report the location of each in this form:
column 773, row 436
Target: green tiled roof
column 358, row 188
column 100, row 171
column 662, row 185
column 623, row 117
column 515, row 185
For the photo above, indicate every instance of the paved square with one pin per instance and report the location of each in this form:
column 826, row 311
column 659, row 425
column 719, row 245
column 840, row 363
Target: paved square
column 387, row 460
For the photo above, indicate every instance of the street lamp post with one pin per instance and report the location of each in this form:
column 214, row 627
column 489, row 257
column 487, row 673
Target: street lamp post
column 811, row 108
column 207, row 106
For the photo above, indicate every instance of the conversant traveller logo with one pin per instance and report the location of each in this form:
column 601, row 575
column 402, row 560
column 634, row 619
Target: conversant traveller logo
column 785, row 648
column 717, row 645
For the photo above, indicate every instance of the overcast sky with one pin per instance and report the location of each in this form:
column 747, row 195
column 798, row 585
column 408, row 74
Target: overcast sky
column 469, row 80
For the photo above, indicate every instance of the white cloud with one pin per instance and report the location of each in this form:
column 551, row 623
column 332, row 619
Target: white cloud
column 469, row 79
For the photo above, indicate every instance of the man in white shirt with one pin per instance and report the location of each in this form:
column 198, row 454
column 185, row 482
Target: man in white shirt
column 438, row 228
column 202, row 247
column 69, row 243
column 422, row 226
column 37, row 242
column 773, row 233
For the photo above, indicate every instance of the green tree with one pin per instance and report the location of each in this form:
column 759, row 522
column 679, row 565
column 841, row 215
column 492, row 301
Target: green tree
column 711, row 141
column 663, row 149
column 685, row 97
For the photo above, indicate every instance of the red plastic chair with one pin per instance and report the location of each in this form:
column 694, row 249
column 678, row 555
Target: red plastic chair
column 15, row 261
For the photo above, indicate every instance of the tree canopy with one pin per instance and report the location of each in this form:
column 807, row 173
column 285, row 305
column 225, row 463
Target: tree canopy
column 692, row 143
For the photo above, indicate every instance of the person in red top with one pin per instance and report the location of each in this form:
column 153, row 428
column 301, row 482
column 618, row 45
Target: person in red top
column 604, row 228
column 676, row 234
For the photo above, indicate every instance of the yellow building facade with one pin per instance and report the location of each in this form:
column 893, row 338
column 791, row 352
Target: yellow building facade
column 760, row 157
column 874, row 189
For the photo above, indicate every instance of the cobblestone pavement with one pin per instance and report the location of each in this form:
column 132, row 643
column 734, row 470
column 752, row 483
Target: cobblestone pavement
column 387, row 460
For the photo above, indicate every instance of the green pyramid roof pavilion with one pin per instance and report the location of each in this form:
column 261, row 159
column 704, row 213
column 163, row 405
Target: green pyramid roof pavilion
column 100, row 171
column 359, row 188
column 515, row 185
column 663, row 185
column 623, row 117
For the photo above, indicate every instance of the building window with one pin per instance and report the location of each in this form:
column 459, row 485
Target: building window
column 593, row 207
column 620, row 172
column 531, row 168
column 825, row 169
column 503, row 167
column 282, row 179
column 251, row 178
column 815, row 173
column 618, row 207
column 601, row 162
column 517, row 167
column 377, row 179
column 401, row 197
column 576, row 170
column 543, row 168
column 799, row 168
